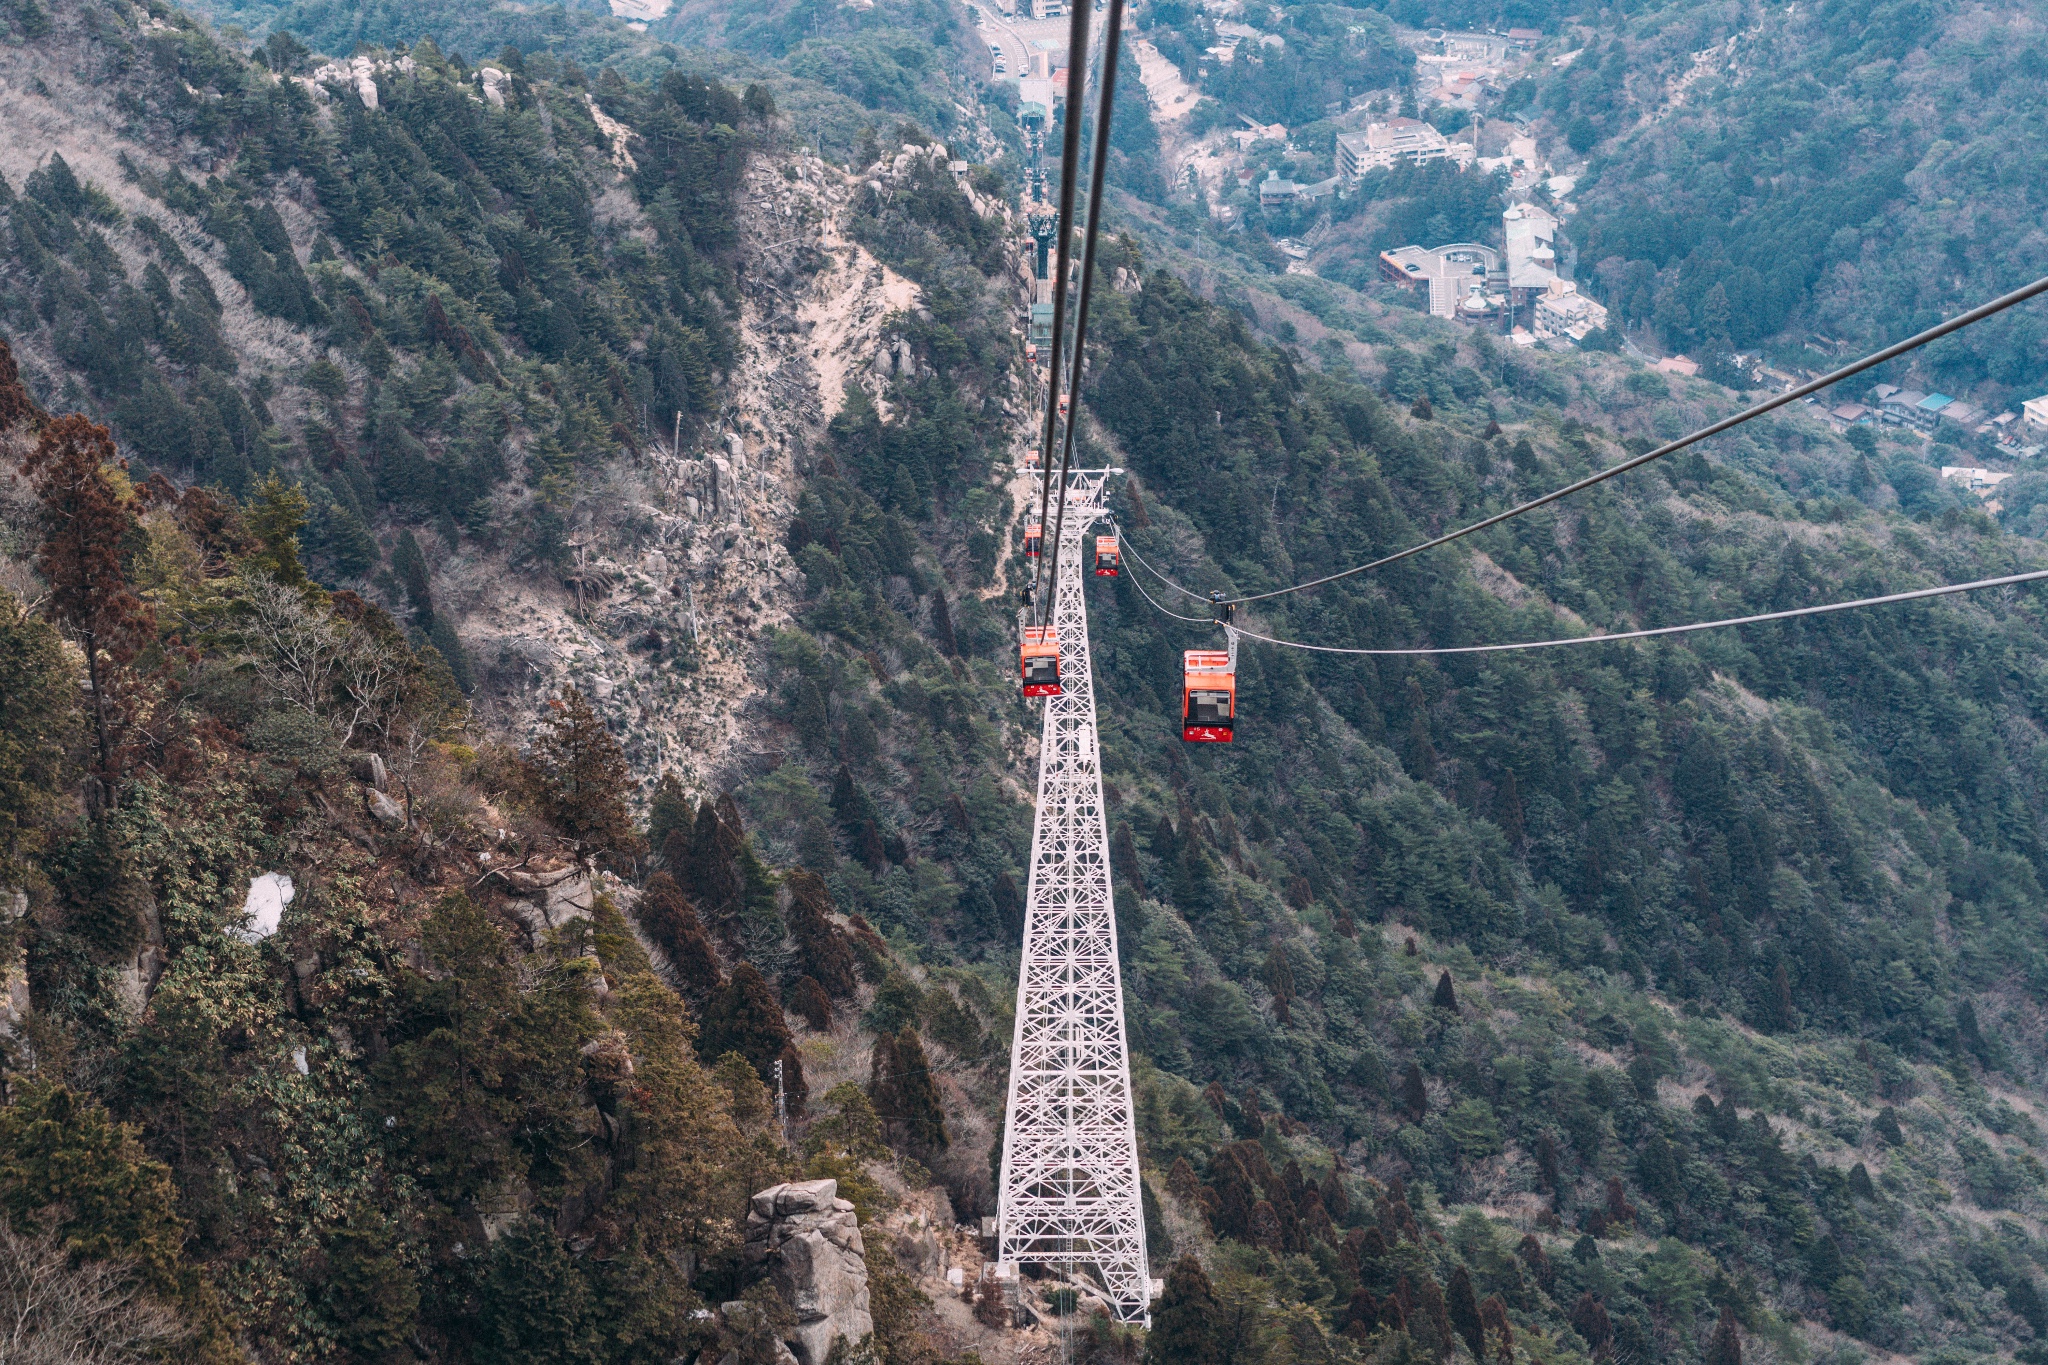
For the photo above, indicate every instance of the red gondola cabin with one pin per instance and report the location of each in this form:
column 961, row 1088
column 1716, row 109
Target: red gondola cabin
column 1107, row 558
column 1039, row 662
column 1208, row 697
column 1034, row 539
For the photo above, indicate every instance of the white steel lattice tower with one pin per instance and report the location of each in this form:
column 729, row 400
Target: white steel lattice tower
column 1070, row 1193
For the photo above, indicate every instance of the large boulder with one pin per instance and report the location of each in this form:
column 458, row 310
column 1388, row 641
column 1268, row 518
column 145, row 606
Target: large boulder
column 805, row 1239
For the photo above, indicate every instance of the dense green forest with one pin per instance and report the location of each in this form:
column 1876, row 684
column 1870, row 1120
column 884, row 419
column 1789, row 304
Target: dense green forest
column 1853, row 170
column 1614, row 1003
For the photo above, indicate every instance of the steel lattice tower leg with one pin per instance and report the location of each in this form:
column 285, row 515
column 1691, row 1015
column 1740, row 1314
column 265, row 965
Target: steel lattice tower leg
column 1070, row 1192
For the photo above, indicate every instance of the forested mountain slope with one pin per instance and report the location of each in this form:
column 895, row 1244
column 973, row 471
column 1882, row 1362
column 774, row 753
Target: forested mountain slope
column 1644, row 1001
column 1849, row 170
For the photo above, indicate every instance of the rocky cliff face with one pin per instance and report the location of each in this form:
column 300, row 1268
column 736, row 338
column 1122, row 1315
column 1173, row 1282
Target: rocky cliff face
column 681, row 565
column 806, row 1240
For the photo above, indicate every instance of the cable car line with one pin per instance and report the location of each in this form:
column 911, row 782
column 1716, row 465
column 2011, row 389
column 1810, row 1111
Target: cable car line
column 1131, row 550
column 1070, row 156
column 1103, row 114
column 1946, row 590
column 1196, row 620
column 1892, row 352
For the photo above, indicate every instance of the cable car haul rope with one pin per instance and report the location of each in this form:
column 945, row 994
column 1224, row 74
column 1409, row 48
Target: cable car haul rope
column 1222, row 608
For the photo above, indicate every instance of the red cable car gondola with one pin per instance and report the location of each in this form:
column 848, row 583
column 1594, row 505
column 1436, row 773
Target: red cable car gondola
column 1107, row 558
column 1208, row 697
column 1034, row 539
column 1039, row 661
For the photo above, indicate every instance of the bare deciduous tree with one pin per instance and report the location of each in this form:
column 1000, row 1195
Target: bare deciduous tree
column 53, row 1312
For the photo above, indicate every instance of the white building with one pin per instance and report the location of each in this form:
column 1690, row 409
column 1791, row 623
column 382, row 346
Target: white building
column 1564, row 311
column 1383, row 144
column 2035, row 411
column 1531, row 238
column 1976, row 480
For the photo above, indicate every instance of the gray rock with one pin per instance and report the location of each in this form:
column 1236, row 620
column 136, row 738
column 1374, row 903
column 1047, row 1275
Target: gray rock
column 387, row 812
column 806, row 1240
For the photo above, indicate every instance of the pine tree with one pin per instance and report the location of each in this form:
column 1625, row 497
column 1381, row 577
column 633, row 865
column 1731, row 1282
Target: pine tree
column 821, row 946
column 277, row 514
column 580, row 778
column 1414, row 1094
column 670, row 810
column 535, row 1306
column 410, row 564
column 1446, row 997
column 1495, row 1326
column 942, row 625
column 921, row 1112
column 38, row 724
column 1431, row 1322
column 744, row 1018
column 86, row 523
column 808, row 1000
column 1463, row 1307
column 1725, row 1346
column 1589, row 1319
column 671, row 921
column 1859, row 1182
column 1336, row 1199
column 1886, row 1127
column 1187, row 1321
column 1123, row 858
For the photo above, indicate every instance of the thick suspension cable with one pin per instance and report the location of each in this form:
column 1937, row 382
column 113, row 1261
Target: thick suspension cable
column 1070, row 173
column 1104, row 110
column 1917, row 594
column 1124, row 546
column 1198, row 620
column 1892, row 352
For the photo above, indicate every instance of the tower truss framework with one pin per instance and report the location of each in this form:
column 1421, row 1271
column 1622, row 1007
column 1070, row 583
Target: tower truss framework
column 1070, row 1192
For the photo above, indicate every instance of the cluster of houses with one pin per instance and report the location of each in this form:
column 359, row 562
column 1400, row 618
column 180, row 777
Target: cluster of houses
column 1891, row 405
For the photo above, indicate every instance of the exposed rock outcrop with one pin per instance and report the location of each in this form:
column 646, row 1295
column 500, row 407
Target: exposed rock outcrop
column 806, row 1240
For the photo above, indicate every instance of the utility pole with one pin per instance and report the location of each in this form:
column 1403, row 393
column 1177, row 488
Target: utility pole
column 781, row 1103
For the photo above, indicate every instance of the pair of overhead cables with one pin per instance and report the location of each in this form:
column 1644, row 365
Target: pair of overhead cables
column 1923, row 338
column 1077, row 37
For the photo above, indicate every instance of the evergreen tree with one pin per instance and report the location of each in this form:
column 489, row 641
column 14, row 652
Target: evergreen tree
column 1414, row 1094
column 86, row 524
column 277, row 514
column 1886, row 1127
column 369, row 1294
column 1495, row 1327
column 942, row 625
column 744, row 1018
column 1725, row 1346
column 580, row 778
column 410, row 564
column 670, row 810
column 1462, row 1305
column 1446, row 997
column 671, row 921
column 1187, row 1321
column 808, row 1000
column 535, row 1305
column 821, row 946
column 920, row 1111
column 37, row 726
column 1589, row 1319
column 1123, row 858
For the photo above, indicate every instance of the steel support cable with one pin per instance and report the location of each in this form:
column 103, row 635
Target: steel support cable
column 2034, row 576
column 1124, row 547
column 1198, row 620
column 1105, row 108
column 1892, row 352
column 1070, row 172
